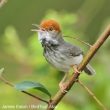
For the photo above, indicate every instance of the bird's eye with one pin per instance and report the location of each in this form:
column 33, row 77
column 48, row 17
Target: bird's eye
column 50, row 29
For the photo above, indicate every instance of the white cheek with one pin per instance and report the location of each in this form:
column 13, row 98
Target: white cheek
column 47, row 36
column 41, row 36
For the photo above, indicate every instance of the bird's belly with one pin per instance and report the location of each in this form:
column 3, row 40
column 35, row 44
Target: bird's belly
column 61, row 61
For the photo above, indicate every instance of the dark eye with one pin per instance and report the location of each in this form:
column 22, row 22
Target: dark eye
column 50, row 29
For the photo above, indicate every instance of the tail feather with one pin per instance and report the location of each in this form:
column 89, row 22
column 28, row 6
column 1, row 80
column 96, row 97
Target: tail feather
column 89, row 70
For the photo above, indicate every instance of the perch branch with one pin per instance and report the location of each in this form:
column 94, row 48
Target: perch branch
column 93, row 49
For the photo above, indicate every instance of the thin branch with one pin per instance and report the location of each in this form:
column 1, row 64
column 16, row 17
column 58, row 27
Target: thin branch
column 92, row 94
column 6, row 81
column 59, row 95
column 12, row 85
column 86, row 43
column 35, row 97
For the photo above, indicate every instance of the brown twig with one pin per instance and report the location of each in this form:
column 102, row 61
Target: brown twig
column 12, row 85
column 93, row 95
column 86, row 43
column 93, row 49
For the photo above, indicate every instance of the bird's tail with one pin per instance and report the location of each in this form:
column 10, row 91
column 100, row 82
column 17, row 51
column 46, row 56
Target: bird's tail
column 89, row 70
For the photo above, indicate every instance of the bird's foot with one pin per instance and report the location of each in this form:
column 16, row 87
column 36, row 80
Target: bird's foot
column 75, row 69
column 63, row 87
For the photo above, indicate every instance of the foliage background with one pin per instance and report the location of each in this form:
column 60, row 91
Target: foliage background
column 21, row 53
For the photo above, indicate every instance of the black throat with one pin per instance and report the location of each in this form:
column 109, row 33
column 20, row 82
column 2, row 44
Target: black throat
column 49, row 46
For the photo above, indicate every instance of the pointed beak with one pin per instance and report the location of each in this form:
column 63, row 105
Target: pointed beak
column 39, row 29
column 37, row 26
column 35, row 30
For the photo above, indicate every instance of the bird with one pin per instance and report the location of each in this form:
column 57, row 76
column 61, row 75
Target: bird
column 59, row 53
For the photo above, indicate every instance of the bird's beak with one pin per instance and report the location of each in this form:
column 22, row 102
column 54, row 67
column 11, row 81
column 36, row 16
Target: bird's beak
column 36, row 30
column 39, row 29
column 36, row 25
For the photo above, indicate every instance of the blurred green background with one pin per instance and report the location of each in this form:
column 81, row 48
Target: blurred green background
column 21, row 53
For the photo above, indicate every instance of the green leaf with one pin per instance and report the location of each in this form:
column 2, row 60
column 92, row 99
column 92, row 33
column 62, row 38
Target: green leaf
column 27, row 85
column 1, row 71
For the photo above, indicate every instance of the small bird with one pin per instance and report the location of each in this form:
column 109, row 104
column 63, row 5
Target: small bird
column 59, row 53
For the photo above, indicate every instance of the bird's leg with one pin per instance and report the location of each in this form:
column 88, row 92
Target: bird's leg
column 75, row 69
column 63, row 83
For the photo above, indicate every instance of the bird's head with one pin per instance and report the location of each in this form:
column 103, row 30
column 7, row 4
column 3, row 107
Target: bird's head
column 49, row 31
